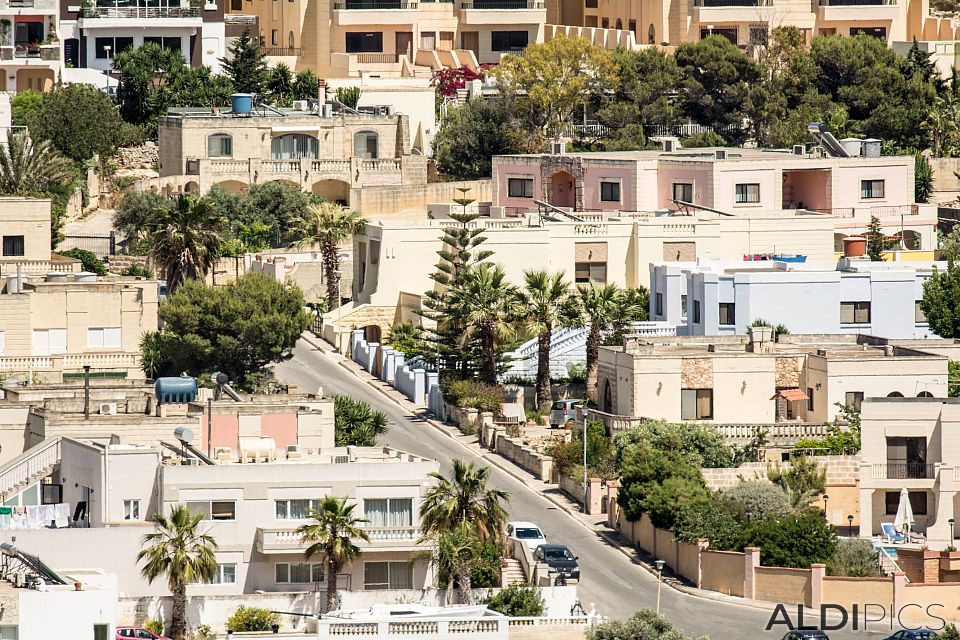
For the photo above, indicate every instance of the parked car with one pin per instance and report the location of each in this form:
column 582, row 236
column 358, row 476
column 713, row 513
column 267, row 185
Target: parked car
column 806, row 634
column 560, row 560
column 161, row 290
column 913, row 634
column 137, row 632
column 562, row 412
column 528, row 532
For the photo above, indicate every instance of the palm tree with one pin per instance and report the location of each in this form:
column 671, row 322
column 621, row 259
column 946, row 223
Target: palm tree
column 548, row 304
column 328, row 225
column 178, row 550
column 186, row 241
column 452, row 553
column 355, row 423
column 330, row 535
column 31, row 168
column 488, row 306
column 465, row 506
column 600, row 304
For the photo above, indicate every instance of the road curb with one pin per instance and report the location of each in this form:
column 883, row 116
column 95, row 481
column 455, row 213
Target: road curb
column 612, row 537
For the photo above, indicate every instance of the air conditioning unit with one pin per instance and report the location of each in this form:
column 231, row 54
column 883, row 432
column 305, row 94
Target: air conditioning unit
column 721, row 154
column 558, row 148
column 294, row 452
column 300, row 105
column 799, row 149
column 341, row 459
column 108, row 408
column 190, row 462
column 222, row 453
column 669, row 145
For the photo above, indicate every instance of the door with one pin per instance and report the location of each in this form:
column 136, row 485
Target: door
column 446, row 40
column 470, row 40
column 405, row 44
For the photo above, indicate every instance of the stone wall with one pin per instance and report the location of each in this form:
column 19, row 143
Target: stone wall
column 697, row 373
column 787, row 371
column 391, row 201
column 841, row 471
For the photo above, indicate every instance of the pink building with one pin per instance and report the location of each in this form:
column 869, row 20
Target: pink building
column 725, row 180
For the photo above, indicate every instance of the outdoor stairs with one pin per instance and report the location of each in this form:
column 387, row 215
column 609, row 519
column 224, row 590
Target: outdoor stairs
column 31, row 466
column 887, row 565
column 511, row 572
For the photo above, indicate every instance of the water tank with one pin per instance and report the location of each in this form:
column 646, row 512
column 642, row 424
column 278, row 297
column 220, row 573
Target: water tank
column 85, row 276
column 16, row 283
column 242, row 103
column 852, row 146
column 56, row 276
column 854, row 246
column 871, row 148
column 176, row 390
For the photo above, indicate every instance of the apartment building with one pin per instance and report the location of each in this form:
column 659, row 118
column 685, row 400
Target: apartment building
column 756, row 380
column 856, row 296
column 850, row 190
column 393, row 38
column 331, row 154
column 910, row 443
column 93, row 32
column 30, row 56
column 749, row 22
column 251, row 509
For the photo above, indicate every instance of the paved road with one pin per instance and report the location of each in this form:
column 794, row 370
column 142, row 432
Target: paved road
column 610, row 581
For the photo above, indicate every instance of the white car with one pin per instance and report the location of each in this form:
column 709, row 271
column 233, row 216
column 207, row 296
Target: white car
column 528, row 532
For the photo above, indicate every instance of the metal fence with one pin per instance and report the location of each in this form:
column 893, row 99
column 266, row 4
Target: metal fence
column 102, row 246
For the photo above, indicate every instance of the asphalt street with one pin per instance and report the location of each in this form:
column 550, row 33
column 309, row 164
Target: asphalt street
column 609, row 580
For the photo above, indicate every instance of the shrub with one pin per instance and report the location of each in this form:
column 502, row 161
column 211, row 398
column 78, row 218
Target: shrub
column 138, row 271
column 802, row 481
column 517, row 600
column 470, row 394
column 719, row 521
column 701, row 444
column 759, row 499
column 485, row 567
column 856, row 558
column 203, row 632
column 252, row 619
column 154, row 626
column 88, row 259
column 577, row 374
column 643, row 625
column 797, row 540
column 703, row 139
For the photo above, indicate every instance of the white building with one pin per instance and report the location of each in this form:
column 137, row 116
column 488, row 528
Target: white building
column 721, row 298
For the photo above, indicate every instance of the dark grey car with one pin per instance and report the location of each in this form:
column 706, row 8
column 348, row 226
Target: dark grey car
column 559, row 559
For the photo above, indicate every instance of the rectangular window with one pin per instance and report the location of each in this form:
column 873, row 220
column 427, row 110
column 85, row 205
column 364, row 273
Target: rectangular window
column 747, row 193
column 387, row 575
column 388, row 512
column 108, row 48
column 918, row 315
column 683, row 192
column 48, row 342
column 274, row 37
column 103, row 338
column 918, row 502
column 870, row 189
column 357, row 42
column 173, row 43
column 11, row 632
column 428, row 40
column 299, row 572
column 586, row 271
column 696, row 404
column 605, row 23
column 696, row 312
column 659, row 304
column 809, row 399
column 591, row 4
column 508, row 40
column 728, row 313
column 131, row 510
column 854, row 313
column 520, row 187
column 13, row 246
column 214, row 510
column 610, row 191
column 226, row 574
column 220, row 145
column 296, row 509
column 853, row 399
column 100, row 632
column 683, row 306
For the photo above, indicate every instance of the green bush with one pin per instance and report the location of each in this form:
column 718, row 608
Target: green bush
column 517, row 600
column 577, row 374
column 797, row 540
column 471, row 394
column 700, row 444
column 643, row 625
column 855, row 558
column 759, row 499
column 138, row 271
column 719, row 521
column 154, row 626
column 485, row 567
column 252, row 619
column 703, row 139
column 88, row 260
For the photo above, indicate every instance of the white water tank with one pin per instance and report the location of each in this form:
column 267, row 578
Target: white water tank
column 16, row 283
column 85, row 276
column 852, row 146
column 56, row 276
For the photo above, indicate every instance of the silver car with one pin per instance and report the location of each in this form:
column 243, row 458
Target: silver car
column 563, row 411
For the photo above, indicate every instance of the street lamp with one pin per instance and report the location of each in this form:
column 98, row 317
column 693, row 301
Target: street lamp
column 583, row 434
column 850, row 526
column 659, row 564
column 951, row 522
column 825, row 515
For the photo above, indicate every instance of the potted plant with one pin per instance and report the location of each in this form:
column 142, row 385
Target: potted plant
column 950, row 559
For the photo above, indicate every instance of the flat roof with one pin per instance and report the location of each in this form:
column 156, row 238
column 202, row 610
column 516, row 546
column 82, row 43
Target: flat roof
column 709, row 154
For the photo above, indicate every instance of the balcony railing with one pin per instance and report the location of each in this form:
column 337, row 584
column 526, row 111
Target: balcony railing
column 283, row 51
column 732, row 3
column 374, row 4
column 287, row 539
column 857, row 3
column 376, row 58
column 141, row 12
column 236, row 18
column 502, row 4
column 904, row 471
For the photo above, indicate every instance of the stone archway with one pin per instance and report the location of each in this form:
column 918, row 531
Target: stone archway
column 191, row 187
column 232, row 186
column 562, row 180
column 562, row 192
column 333, row 190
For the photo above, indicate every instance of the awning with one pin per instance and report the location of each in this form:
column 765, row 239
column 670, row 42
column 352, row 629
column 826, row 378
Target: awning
column 790, row 395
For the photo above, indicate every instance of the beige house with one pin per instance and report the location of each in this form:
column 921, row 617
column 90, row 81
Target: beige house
column 25, row 234
column 911, row 443
column 753, row 380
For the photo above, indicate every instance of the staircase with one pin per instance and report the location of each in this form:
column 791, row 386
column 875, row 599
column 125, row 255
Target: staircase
column 32, row 465
column 511, row 573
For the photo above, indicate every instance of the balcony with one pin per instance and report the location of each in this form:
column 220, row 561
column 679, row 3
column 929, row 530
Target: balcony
column 500, row 12
column 38, row 6
column 304, row 171
column 880, row 10
column 502, row 4
column 904, row 471
column 377, row 5
column 108, row 17
column 275, row 540
column 283, row 51
column 732, row 11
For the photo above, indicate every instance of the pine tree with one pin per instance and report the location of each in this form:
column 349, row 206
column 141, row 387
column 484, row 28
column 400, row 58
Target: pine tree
column 876, row 241
column 246, row 65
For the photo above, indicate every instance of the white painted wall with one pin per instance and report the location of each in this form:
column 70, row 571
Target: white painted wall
column 65, row 613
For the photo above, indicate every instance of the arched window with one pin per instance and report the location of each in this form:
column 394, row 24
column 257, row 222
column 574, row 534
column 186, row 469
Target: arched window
column 293, row 146
column 924, row 394
column 619, row 24
column 607, row 397
column 365, row 144
column 220, row 145
column 290, row 41
column 651, row 35
column 894, row 394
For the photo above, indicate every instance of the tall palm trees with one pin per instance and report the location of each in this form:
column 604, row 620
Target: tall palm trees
column 186, row 240
column 178, row 550
column 600, row 304
column 460, row 512
column 328, row 225
column 355, row 423
column 28, row 167
column 488, row 306
column 549, row 304
column 331, row 533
